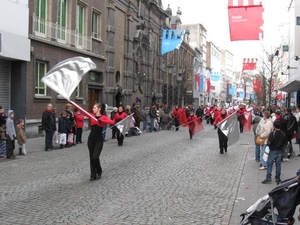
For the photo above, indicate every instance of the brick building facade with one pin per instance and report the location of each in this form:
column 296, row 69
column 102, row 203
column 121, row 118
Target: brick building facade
column 122, row 37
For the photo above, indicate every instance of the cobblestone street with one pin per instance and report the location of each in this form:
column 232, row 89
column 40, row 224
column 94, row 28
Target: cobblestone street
column 155, row 178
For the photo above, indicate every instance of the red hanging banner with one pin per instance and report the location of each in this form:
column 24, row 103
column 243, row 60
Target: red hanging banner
column 249, row 63
column 245, row 20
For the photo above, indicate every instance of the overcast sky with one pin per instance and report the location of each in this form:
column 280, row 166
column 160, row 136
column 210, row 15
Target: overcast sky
column 213, row 15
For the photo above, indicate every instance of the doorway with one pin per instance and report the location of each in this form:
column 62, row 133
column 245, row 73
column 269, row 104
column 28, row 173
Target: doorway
column 93, row 98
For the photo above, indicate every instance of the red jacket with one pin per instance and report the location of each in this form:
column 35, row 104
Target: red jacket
column 220, row 119
column 101, row 120
column 175, row 113
column 120, row 116
column 241, row 111
column 79, row 120
column 190, row 123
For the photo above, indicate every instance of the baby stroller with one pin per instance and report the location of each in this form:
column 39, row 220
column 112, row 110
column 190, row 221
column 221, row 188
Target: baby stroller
column 284, row 198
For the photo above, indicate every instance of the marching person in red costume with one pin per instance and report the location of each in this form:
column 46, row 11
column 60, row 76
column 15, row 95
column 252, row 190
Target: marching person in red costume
column 95, row 140
column 207, row 114
column 223, row 139
column 175, row 115
column 191, row 120
column 120, row 115
column 211, row 111
column 241, row 118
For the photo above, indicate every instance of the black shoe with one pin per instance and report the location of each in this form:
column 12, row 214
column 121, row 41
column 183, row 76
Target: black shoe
column 225, row 150
column 221, row 152
column 266, row 181
column 278, row 181
column 92, row 178
column 99, row 177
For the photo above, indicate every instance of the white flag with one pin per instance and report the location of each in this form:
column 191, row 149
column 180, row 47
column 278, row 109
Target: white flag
column 65, row 76
column 230, row 128
column 124, row 124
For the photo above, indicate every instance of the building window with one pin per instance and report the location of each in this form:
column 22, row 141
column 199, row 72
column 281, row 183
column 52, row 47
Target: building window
column 78, row 90
column 40, row 71
column 61, row 19
column 96, row 25
column 298, row 20
column 40, row 13
column 80, row 24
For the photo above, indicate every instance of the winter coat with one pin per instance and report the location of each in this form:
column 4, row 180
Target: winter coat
column 10, row 126
column 62, row 125
column 79, row 119
column 48, row 120
column 266, row 130
column 21, row 136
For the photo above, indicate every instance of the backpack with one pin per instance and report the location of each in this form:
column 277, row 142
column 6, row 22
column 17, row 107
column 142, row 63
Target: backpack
column 292, row 126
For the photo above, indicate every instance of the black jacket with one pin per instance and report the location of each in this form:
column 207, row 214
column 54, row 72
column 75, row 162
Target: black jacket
column 48, row 120
column 276, row 140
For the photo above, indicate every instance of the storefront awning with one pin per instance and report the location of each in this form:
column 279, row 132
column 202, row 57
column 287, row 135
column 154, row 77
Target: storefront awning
column 292, row 86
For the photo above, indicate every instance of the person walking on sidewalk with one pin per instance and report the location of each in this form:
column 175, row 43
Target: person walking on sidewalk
column 48, row 125
column 21, row 135
column 10, row 135
column 276, row 142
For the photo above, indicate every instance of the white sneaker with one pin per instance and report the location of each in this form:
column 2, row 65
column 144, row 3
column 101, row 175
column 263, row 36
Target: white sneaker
column 263, row 168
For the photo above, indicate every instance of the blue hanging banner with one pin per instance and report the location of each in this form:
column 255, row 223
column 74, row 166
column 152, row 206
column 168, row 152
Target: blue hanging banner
column 252, row 96
column 171, row 40
column 201, row 83
column 242, row 94
column 215, row 76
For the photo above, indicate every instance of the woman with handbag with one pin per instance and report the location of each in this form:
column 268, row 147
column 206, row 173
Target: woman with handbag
column 264, row 134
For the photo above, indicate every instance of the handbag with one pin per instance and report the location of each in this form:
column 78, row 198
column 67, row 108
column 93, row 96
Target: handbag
column 62, row 139
column 266, row 154
column 24, row 150
column 260, row 141
column 70, row 138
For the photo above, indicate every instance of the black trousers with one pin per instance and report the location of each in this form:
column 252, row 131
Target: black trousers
column 95, row 148
column 176, row 122
column 222, row 141
column 120, row 138
column 10, row 146
column 207, row 119
column 191, row 134
column 241, row 125
column 114, row 132
column 79, row 135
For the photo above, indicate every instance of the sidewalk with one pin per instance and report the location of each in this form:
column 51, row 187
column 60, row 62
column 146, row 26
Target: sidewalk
column 251, row 189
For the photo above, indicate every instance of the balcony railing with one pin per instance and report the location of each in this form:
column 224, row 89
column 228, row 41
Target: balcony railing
column 54, row 32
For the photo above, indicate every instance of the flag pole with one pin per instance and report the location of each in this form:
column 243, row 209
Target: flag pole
column 82, row 110
column 187, row 123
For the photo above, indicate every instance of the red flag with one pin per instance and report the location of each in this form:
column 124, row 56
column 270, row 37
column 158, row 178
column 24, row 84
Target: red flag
column 198, row 126
column 182, row 116
column 245, row 20
column 247, row 121
column 249, row 63
column 256, row 85
column 207, row 85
